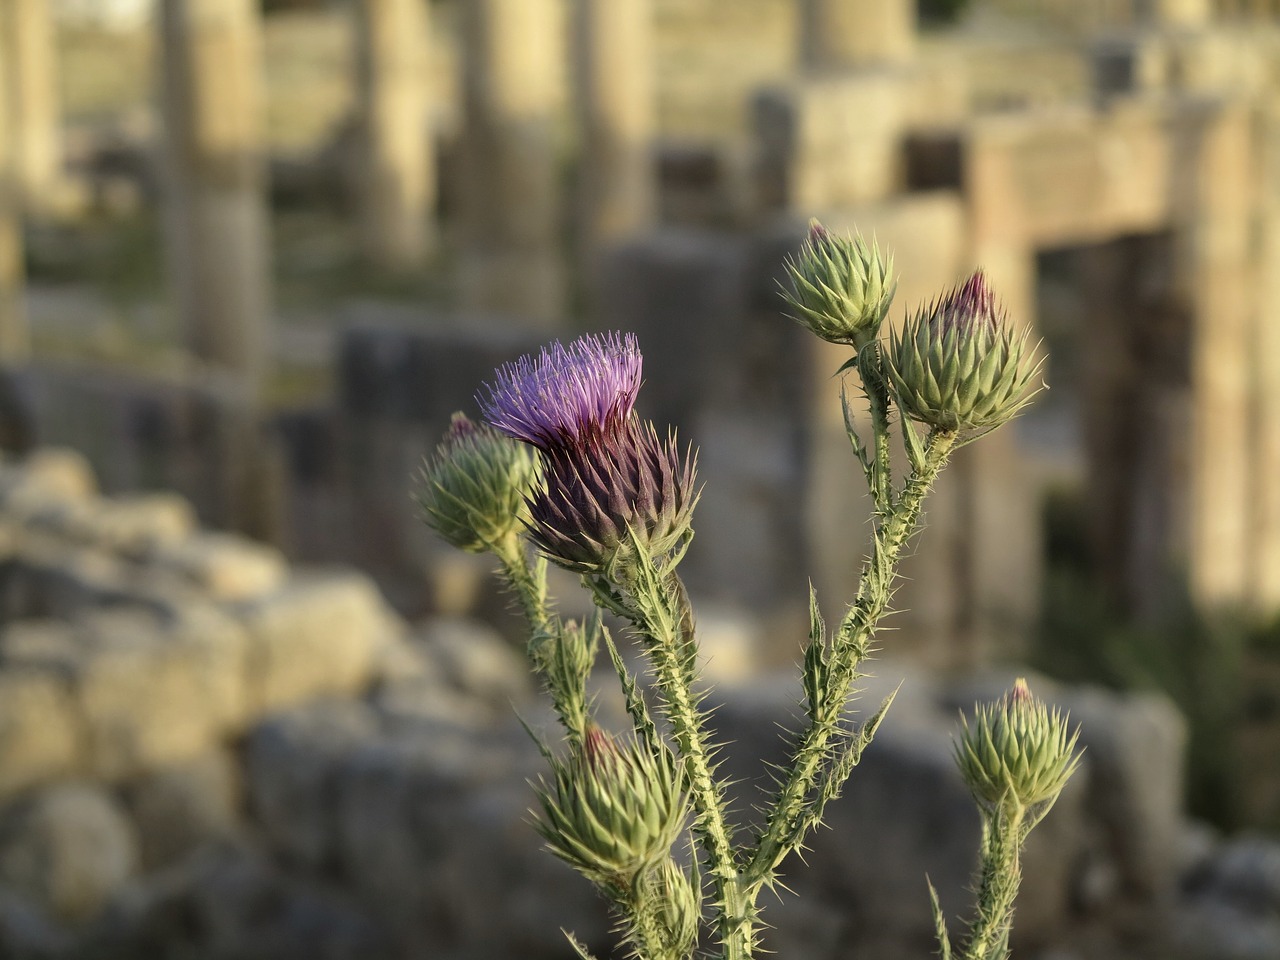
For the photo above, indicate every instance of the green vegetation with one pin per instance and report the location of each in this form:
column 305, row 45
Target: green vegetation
column 1215, row 668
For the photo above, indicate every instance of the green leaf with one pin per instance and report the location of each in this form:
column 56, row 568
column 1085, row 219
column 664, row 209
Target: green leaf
column 939, row 923
column 859, row 448
column 578, row 948
column 913, row 444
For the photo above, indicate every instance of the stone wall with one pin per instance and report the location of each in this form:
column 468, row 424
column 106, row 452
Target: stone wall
column 207, row 753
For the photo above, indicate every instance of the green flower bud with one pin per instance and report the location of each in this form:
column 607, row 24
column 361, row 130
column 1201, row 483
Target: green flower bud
column 841, row 287
column 958, row 366
column 613, row 810
column 472, row 492
column 680, row 908
column 1016, row 753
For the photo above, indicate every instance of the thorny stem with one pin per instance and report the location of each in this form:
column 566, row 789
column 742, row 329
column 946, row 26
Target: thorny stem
column 547, row 634
column 663, row 615
column 783, row 833
column 646, row 933
column 529, row 581
column 871, row 370
column 1001, row 873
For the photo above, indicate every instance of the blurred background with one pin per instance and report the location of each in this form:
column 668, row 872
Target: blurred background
column 254, row 254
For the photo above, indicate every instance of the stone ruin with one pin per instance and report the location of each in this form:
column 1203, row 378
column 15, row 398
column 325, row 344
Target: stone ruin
column 210, row 751
column 207, row 752
column 1160, row 170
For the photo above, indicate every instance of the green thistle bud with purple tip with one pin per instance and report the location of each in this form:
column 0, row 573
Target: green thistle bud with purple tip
column 958, row 366
column 473, row 491
column 841, row 286
column 613, row 810
column 609, row 481
column 1016, row 752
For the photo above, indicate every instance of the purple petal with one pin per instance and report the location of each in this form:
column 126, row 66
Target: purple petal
column 554, row 398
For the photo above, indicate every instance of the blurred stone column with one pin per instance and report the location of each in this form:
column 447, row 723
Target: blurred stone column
column 997, row 499
column 1180, row 13
column 217, row 234
column 1213, row 197
column 1265, row 486
column 13, row 324
column 219, row 255
column 28, row 57
column 615, row 101
column 396, row 176
column 839, row 34
column 509, row 203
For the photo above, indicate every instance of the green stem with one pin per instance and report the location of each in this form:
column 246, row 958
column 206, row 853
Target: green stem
column 871, row 369
column 528, row 581
column 548, row 649
column 646, row 934
column 1000, row 876
column 784, row 829
column 663, row 616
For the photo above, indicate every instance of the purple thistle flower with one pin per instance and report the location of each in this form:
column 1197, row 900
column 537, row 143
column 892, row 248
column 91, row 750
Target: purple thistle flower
column 566, row 392
column 605, row 483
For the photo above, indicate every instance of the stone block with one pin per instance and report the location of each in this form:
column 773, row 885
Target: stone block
column 830, row 141
column 751, row 547
column 291, row 765
column 682, row 293
column 1215, row 930
column 183, row 807
column 135, row 525
column 434, row 830
column 47, row 645
column 226, row 566
column 40, row 732
column 51, row 473
column 63, row 579
column 153, row 693
column 476, row 660
column 70, row 848
column 401, row 365
column 730, row 643
column 26, row 930
column 1134, row 750
column 231, row 901
column 314, row 637
column 844, row 35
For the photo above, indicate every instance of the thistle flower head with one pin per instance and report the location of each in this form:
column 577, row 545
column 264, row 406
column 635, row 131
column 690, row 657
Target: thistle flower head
column 610, row 490
column 958, row 366
column 609, row 481
column 1016, row 753
column 613, row 810
column 553, row 399
column 841, row 286
column 473, row 491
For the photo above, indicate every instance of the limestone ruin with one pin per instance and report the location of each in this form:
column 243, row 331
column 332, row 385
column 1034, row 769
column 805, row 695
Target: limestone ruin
column 250, row 744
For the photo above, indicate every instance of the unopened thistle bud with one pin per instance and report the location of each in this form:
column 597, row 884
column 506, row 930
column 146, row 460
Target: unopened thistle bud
column 1016, row 753
column 958, row 366
column 841, row 286
column 472, row 492
column 679, row 910
column 613, row 810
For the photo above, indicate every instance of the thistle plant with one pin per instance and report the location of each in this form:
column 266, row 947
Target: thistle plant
column 605, row 496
